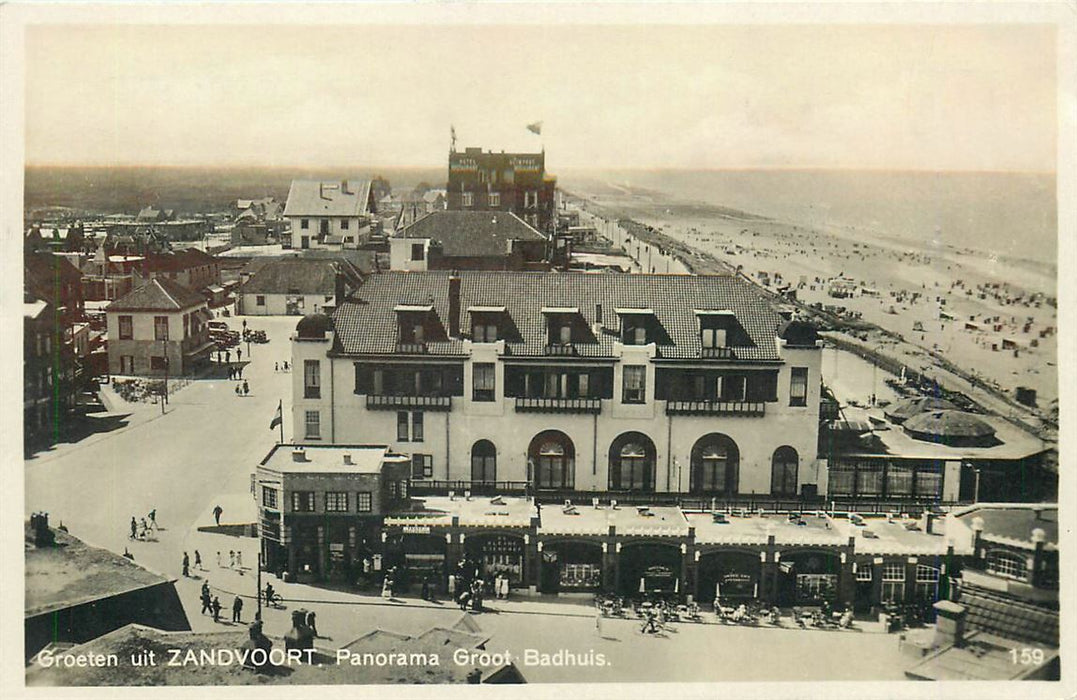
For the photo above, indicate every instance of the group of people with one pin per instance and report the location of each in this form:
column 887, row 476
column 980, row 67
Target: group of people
column 235, row 372
column 243, row 389
column 143, row 529
column 281, row 366
column 212, row 605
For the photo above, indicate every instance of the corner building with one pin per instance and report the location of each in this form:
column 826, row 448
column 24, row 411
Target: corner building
column 567, row 385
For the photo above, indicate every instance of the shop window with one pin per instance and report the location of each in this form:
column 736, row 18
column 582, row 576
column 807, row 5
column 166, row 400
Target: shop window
column 927, row 582
column 928, row 482
column 893, row 589
column 899, row 480
column 364, row 501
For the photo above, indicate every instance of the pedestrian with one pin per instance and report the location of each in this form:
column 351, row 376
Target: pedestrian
column 237, row 609
column 426, row 587
column 145, row 531
column 153, row 518
column 228, row 356
column 452, row 586
column 312, row 622
column 239, row 390
column 276, row 366
column 239, row 559
column 134, row 527
column 198, row 560
column 239, row 355
column 207, row 601
column 218, row 552
column 239, row 372
column 217, row 510
column 231, row 559
column 598, row 623
column 186, row 565
column 216, row 609
column 504, row 587
column 246, row 388
column 286, row 365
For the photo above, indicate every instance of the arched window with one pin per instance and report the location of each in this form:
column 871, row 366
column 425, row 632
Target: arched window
column 632, row 462
column 1007, row 564
column 483, row 461
column 715, row 465
column 553, row 455
column 783, row 472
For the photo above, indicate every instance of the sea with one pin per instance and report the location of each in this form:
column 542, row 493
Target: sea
column 1010, row 215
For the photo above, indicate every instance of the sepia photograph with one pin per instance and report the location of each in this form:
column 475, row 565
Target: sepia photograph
column 442, row 344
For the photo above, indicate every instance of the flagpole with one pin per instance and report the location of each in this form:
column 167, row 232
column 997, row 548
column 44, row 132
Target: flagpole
column 280, row 407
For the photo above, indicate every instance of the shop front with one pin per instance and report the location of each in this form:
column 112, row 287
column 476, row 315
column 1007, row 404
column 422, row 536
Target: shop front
column 808, row 577
column 571, row 567
column 497, row 555
column 731, row 575
column 418, row 552
column 650, row 569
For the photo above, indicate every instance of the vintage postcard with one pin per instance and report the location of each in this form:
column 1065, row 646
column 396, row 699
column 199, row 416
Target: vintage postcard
column 441, row 344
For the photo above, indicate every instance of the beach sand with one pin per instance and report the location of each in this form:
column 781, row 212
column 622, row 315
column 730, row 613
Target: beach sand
column 896, row 284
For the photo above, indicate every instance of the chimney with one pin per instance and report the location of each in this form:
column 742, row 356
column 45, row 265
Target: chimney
column 43, row 536
column 344, row 187
column 454, row 305
column 299, row 454
column 339, row 289
column 949, row 624
column 929, row 522
column 348, row 459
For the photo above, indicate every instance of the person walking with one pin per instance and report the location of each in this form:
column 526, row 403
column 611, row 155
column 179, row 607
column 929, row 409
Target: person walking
column 246, row 388
column 216, row 606
column 452, row 586
column 186, row 565
column 276, row 366
column 218, row 559
column 134, row 528
column 153, row 519
column 217, row 510
column 237, row 609
column 206, row 600
column 198, row 560
column 231, row 559
column 239, row 559
column 228, row 356
column 312, row 622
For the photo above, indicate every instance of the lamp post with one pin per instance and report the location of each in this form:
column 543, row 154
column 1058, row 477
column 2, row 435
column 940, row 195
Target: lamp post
column 164, row 390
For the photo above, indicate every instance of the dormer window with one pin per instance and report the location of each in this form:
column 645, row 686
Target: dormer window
column 413, row 324
column 713, row 338
column 559, row 324
column 719, row 332
column 486, row 323
column 637, row 326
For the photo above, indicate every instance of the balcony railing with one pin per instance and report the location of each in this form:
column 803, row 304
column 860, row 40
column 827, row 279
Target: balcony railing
column 536, row 405
column 381, row 402
column 568, row 350
column 717, row 353
column 430, row 487
column 715, row 408
column 411, row 348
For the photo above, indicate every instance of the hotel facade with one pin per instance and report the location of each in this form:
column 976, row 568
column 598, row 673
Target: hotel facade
column 567, row 384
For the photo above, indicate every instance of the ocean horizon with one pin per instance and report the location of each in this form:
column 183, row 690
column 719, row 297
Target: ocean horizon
column 1011, row 215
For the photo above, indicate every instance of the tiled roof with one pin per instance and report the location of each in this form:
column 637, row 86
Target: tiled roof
column 367, row 324
column 159, row 294
column 177, row 260
column 301, row 276
column 318, row 198
column 1009, row 618
column 472, row 233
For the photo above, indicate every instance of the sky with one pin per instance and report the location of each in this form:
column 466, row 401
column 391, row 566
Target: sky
column 972, row 97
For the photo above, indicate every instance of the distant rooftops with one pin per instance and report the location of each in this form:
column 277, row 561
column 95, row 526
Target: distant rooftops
column 342, row 198
column 302, row 276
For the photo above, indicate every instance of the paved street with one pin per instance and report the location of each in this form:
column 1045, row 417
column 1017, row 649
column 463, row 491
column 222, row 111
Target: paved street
column 201, row 453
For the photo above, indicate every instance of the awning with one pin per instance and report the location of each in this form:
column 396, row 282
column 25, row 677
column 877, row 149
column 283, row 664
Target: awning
column 200, row 349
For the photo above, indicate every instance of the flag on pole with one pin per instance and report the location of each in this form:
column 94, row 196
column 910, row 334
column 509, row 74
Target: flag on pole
column 279, row 417
column 535, row 128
